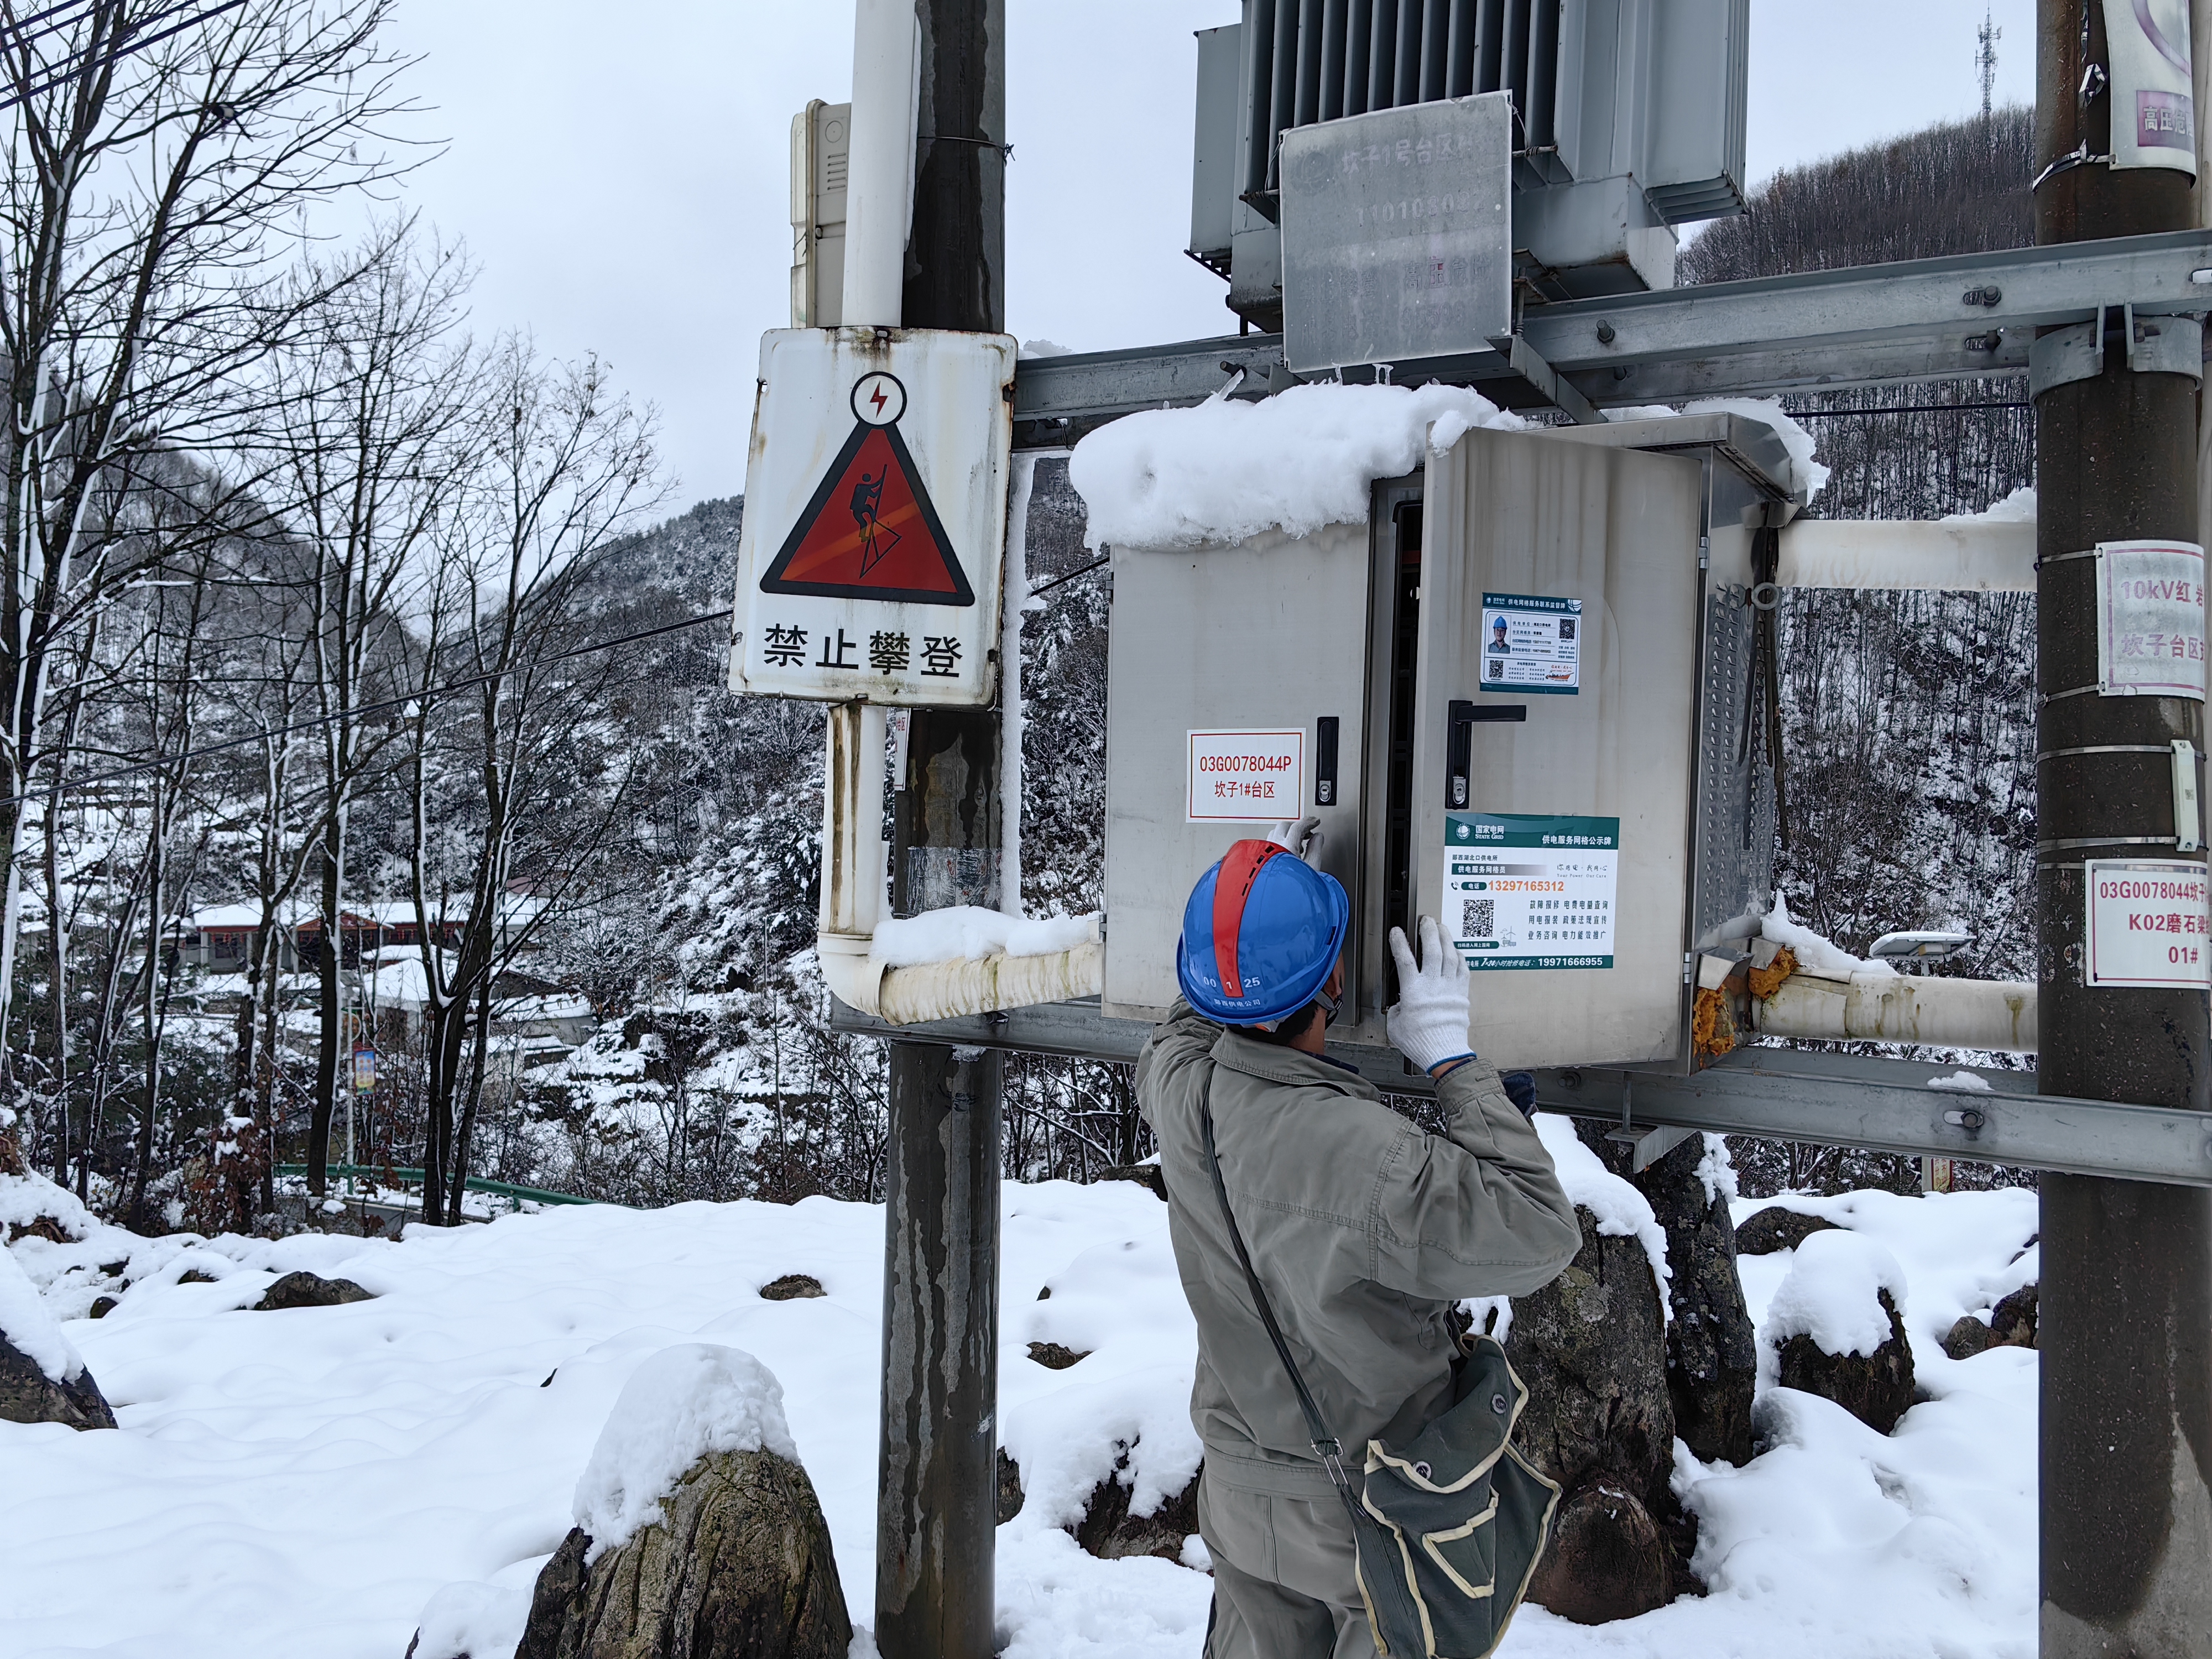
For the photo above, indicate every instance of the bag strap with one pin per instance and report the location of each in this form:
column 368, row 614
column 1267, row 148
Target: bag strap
column 1325, row 1446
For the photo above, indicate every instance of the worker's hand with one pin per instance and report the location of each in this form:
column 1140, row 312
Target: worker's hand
column 1302, row 838
column 1428, row 1023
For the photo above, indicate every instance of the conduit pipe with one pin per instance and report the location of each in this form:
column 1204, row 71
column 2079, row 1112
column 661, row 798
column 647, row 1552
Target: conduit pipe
column 878, row 212
column 1972, row 555
column 879, row 160
column 1880, row 1006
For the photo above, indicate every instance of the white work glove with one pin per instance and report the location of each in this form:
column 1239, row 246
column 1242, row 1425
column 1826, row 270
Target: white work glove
column 1303, row 839
column 1428, row 1023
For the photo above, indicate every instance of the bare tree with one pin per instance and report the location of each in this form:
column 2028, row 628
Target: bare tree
column 369, row 398
column 566, row 466
column 148, row 176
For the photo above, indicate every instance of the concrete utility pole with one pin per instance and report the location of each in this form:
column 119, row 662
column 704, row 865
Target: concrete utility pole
column 2126, row 1300
column 937, row 1505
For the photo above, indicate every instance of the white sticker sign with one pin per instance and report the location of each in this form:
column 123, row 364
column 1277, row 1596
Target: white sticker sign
column 2150, row 619
column 1523, row 890
column 1532, row 643
column 1247, row 777
column 874, row 528
column 2152, row 91
column 2147, row 924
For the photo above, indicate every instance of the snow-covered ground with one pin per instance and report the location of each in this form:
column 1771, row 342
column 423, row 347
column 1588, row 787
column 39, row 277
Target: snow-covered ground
column 317, row 1482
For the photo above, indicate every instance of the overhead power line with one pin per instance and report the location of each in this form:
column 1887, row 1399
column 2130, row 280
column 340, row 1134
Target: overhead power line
column 418, row 698
column 1895, row 408
column 70, row 68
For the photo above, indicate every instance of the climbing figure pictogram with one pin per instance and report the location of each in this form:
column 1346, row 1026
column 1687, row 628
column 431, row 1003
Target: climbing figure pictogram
column 877, row 538
column 887, row 542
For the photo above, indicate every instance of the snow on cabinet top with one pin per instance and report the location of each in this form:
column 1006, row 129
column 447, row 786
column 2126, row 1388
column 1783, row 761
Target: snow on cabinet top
column 1807, row 477
column 683, row 1404
column 1224, row 472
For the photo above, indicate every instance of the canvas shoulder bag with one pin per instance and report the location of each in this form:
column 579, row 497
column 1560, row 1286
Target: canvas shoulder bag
column 1449, row 1527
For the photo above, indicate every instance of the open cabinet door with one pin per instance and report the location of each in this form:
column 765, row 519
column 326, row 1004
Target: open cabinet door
column 1555, row 741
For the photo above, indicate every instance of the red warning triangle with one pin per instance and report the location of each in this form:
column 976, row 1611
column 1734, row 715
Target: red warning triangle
column 871, row 531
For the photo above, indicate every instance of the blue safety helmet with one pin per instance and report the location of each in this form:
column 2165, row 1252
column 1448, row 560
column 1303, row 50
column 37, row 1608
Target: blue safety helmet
column 1261, row 933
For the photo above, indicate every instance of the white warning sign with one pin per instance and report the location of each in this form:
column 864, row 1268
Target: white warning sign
column 1523, row 890
column 1532, row 643
column 2147, row 923
column 1247, row 777
column 875, row 516
column 2150, row 619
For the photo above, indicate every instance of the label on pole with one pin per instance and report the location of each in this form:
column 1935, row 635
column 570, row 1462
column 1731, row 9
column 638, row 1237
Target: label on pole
column 1246, row 777
column 2147, row 924
column 1532, row 643
column 364, row 1070
column 1530, row 891
column 875, row 516
column 2150, row 619
column 2153, row 93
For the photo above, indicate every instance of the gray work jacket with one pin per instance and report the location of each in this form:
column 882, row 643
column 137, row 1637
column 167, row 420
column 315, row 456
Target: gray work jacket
column 1363, row 1228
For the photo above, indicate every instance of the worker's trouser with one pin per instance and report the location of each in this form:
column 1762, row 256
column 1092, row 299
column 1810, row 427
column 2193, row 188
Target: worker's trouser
column 1283, row 1580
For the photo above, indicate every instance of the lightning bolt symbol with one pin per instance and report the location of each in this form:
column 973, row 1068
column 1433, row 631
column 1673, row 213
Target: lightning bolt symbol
column 878, row 398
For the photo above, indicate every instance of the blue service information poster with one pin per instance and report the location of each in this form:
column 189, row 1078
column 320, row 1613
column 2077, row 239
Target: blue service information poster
column 1532, row 643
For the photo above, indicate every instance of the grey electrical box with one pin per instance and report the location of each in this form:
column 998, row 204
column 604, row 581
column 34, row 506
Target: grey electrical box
column 1213, row 149
column 821, row 146
column 1398, row 235
column 1629, row 119
column 1571, row 793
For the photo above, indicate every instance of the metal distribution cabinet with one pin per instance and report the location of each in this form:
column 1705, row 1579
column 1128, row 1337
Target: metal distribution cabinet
column 1265, row 636
column 1639, row 534
column 1558, row 703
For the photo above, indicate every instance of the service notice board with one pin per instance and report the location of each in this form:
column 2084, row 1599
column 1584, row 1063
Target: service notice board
column 2147, row 923
column 1523, row 890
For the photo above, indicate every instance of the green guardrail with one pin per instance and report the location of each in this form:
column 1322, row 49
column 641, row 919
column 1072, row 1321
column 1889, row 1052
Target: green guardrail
column 499, row 1188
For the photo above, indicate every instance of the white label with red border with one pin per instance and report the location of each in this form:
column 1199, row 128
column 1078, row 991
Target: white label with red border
column 2150, row 619
column 1247, row 777
column 2147, row 924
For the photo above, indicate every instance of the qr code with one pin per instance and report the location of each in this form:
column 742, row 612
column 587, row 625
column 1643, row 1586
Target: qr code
column 1478, row 918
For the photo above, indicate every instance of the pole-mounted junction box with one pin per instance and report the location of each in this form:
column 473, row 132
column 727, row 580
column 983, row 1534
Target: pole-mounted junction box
column 1526, row 698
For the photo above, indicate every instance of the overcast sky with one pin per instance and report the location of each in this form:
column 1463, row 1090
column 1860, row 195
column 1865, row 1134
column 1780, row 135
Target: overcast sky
column 620, row 174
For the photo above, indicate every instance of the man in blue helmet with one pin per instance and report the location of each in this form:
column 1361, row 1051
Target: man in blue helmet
column 1365, row 1230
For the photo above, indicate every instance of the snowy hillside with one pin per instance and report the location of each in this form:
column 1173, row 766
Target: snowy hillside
column 316, row 1482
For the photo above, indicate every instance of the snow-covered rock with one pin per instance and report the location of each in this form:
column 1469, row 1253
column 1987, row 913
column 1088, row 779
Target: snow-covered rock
column 42, row 1377
column 1836, row 1328
column 684, row 1404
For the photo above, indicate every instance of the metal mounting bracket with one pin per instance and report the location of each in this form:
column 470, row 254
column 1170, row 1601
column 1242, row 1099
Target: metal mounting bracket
column 2157, row 344
column 1530, row 366
column 1648, row 1143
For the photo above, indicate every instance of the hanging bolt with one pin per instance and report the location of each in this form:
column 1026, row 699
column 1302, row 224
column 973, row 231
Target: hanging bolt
column 1605, row 333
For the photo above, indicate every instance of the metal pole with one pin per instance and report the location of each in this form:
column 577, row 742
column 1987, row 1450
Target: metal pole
column 2126, row 1324
column 937, row 1508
